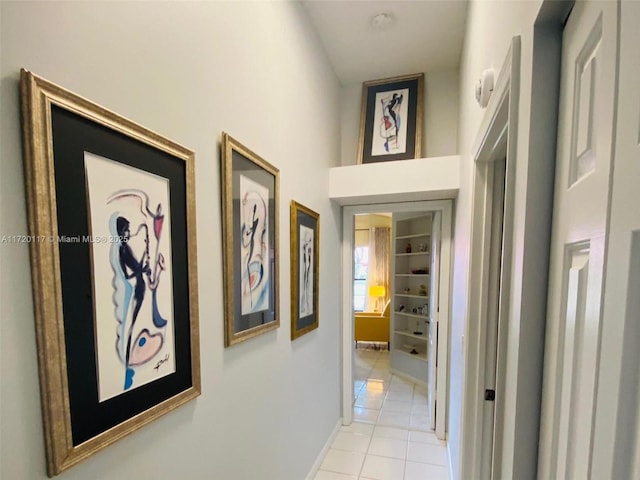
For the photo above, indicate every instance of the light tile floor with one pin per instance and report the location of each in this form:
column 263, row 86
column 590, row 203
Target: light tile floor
column 390, row 437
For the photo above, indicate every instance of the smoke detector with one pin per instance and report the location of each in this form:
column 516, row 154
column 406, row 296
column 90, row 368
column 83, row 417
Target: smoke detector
column 382, row 21
column 484, row 87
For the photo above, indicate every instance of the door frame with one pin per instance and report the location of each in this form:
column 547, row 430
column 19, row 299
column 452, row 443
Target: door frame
column 348, row 225
column 496, row 141
column 532, row 207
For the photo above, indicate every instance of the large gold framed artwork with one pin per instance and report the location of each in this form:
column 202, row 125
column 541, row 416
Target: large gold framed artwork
column 250, row 189
column 112, row 234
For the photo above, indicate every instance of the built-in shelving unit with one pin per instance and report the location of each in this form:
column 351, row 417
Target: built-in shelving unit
column 410, row 285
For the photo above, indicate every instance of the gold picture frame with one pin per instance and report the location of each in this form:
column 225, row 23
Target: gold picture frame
column 250, row 206
column 305, row 269
column 64, row 137
column 391, row 119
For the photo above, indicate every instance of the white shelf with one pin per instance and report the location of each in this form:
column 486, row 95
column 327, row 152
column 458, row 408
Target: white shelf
column 413, row 235
column 408, row 333
column 385, row 182
column 410, row 231
column 413, row 315
column 419, row 356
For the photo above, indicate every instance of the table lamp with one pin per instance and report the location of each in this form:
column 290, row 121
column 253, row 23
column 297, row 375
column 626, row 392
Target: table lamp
column 377, row 291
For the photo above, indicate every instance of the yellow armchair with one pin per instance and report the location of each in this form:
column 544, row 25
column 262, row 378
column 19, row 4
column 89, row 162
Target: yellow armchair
column 372, row 326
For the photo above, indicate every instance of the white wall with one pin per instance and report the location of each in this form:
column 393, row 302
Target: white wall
column 440, row 116
column 442, row 99
column 188, row 71
column 490, row 28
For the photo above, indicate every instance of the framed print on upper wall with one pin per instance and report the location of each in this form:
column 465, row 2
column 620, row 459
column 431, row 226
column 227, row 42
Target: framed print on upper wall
column 113, row 263
column 305, row 268
column 391, row 119
column 251, row 188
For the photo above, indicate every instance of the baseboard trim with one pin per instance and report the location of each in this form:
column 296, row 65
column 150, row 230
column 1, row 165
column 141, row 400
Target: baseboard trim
column 316, row 465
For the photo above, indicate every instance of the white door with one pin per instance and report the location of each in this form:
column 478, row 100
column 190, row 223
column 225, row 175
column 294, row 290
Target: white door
column 616, row 448
column 434, row 292
column 581, row 201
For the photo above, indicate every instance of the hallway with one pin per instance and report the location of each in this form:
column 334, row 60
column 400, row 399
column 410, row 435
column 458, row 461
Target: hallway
column 390, row 437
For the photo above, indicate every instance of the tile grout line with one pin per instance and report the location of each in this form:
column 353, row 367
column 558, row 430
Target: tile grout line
column 365, row 455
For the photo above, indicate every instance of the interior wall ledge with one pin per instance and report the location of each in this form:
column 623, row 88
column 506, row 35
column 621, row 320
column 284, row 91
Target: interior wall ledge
column 434, row 178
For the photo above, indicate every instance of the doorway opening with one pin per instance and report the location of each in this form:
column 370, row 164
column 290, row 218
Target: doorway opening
column 416, row 297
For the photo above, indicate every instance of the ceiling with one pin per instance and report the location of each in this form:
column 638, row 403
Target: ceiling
column 423, row 36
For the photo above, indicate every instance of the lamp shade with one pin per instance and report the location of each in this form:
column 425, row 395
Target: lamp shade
column 377, row 291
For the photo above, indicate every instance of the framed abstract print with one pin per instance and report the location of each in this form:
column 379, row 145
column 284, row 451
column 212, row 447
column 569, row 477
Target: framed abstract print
column 113, row 262
column 250, row 228
column 391, row 119
column 305, row 268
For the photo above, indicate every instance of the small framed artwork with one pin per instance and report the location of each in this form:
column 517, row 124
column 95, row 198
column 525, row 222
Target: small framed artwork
column 305, row 268
column 113, row 263
column 251, row 188
column 391, row 119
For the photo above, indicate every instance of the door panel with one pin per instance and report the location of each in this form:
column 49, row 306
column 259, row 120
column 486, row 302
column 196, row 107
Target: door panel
column 581, row 201
column 583, row 154
column 579, row 343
